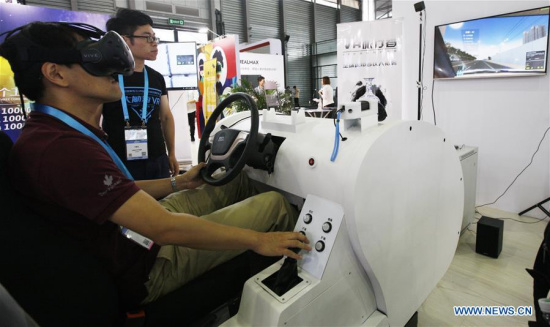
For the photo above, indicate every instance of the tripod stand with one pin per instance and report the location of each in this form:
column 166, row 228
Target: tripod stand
column 539, row 205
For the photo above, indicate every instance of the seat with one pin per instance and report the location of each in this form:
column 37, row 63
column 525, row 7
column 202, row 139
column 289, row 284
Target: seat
column 59, row 284
column 45, row 271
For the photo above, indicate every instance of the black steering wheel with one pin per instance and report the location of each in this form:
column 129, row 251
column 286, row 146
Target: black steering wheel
column 230, row 148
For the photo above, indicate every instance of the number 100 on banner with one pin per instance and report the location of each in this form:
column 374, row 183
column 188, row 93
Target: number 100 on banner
column 11, row 120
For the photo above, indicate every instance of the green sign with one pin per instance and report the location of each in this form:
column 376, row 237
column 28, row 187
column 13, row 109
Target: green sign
column 175, row 21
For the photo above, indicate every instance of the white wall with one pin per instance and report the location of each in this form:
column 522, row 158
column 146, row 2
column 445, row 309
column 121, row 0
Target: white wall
column 506, row 118
column 368, row 10
column 178, row 104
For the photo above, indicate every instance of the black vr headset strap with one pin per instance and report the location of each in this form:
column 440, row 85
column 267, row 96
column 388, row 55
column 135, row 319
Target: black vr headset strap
column 10, row 32
column 85, row 30
column 58, row 56
column 30, row 51
column 22, row 105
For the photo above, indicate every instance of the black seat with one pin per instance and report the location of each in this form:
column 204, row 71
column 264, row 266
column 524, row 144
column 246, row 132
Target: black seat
column 46, row 272
column 59, row 284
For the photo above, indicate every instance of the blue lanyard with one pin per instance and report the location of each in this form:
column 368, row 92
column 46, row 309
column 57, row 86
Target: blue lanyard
column 145, row 97
column 70, row 121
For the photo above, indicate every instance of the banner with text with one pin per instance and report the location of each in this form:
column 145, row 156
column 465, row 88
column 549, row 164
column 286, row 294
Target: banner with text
column 12, row 16
column 226, row 74
column 370, row 62
column 272, row 67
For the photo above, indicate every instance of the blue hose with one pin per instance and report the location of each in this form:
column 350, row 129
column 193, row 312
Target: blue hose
column 336, row 139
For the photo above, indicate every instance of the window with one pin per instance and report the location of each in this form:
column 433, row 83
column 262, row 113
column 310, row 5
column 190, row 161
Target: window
column 328, row 3
column 200, row 38
column 164, row 34
column 351, row 3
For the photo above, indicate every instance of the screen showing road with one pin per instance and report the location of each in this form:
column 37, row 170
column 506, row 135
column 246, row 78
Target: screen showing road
column 505, row 45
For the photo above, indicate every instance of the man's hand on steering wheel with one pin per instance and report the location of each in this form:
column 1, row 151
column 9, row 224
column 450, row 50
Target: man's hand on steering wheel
column 191, row 179
column 230, row 149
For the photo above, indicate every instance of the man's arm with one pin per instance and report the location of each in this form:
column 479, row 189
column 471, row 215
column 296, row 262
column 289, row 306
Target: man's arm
column 144, row 215
column 168, row 130
column 159, row 188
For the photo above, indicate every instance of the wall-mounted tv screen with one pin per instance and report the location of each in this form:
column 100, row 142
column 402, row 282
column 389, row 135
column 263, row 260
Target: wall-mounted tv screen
column 512, row 44
column 177, row 62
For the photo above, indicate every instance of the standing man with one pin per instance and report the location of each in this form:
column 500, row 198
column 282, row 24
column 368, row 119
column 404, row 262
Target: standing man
column 192, row 97
column 296, row 94
column 140, row 125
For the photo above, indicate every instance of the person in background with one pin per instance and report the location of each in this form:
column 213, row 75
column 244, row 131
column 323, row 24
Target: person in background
column 144, row 108
column 296, row 96
column 326, row 92
column 261, row 82
column 192, row 98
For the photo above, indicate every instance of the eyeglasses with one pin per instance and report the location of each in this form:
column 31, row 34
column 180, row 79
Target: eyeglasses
column 150, row 39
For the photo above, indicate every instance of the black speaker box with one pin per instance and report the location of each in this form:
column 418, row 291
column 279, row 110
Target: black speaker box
column 419, row 6
column 489, row 236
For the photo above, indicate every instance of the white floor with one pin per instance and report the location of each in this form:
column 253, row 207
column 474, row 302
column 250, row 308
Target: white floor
column 185, row 165
column 477, row 280
column 195, row 150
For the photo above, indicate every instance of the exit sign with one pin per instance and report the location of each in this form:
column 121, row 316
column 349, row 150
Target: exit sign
column 174, row 21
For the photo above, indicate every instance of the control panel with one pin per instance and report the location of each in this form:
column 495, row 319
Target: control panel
column 320, row 221
column 363, row 108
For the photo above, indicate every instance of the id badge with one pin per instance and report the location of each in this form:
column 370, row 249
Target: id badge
column 138, row 238
column 136, row 143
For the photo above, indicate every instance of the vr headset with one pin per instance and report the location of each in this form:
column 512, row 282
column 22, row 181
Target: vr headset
column 102, row 54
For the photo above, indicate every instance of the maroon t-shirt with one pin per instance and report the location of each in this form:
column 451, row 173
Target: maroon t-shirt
column 71, row 180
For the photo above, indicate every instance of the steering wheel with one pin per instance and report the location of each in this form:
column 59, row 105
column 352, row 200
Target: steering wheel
column 230, row 148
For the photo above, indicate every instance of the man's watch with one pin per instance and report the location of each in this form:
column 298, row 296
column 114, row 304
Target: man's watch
column 174, row 184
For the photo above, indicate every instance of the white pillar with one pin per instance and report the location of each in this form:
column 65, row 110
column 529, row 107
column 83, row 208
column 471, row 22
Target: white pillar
column 369, row 12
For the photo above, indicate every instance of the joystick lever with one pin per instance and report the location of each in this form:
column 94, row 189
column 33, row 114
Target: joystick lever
column 286, row 278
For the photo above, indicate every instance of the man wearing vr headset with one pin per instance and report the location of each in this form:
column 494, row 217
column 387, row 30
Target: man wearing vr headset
column 141, row 126
column 65, row 168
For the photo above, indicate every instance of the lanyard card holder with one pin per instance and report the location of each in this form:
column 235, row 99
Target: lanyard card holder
column 136, row 143
column 138, row 238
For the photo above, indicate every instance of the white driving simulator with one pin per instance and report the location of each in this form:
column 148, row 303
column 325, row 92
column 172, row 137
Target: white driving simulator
column 381, row 204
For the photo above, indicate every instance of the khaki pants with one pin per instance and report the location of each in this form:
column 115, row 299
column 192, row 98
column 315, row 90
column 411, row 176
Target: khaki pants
column 233, row 204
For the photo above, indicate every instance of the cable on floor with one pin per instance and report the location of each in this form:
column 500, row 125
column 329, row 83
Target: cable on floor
column 532, row 157
column 538, row 220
